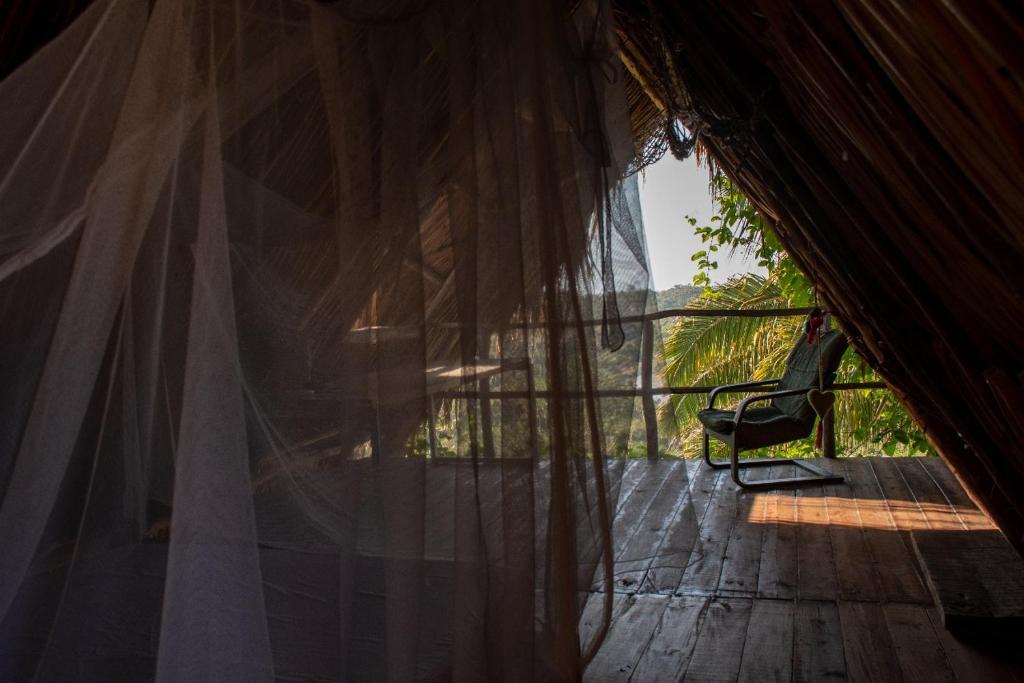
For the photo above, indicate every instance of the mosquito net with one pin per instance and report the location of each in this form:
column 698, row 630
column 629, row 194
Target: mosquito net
column 318, row 340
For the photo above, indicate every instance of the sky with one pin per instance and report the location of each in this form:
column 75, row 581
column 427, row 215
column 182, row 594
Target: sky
column 669, row 191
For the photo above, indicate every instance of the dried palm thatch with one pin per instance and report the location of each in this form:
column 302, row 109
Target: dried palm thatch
column 884, row 139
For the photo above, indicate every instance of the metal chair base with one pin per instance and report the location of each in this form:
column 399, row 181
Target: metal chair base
column 818, row 476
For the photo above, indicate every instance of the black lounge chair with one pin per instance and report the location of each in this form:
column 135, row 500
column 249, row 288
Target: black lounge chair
column 788, row 417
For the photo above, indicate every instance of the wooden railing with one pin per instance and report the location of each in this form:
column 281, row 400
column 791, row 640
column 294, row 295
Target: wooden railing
column 647, row 390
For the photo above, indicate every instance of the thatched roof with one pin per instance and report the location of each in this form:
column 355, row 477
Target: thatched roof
column 884, row 137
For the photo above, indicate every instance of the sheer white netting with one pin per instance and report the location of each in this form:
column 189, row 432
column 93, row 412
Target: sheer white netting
column 304, row 312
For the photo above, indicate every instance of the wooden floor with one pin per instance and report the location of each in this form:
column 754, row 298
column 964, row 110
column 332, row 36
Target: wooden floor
column 810, row 584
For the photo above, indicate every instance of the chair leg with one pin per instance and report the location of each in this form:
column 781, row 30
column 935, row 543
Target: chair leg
column 726, row 464
column 818, row 475
column 707, row 451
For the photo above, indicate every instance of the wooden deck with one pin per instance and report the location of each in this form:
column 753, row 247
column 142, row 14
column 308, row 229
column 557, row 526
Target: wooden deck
column 811, row 584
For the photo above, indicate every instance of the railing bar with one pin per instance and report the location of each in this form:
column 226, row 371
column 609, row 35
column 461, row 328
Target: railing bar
column 626, row 393
column 647, row 389
column 654, row 315
column 717, row 313
column 859, row 385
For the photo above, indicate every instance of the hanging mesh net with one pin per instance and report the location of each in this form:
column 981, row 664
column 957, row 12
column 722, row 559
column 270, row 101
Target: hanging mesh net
column 318, row 340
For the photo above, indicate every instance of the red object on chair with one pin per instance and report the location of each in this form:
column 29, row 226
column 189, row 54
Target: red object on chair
column 815, row 321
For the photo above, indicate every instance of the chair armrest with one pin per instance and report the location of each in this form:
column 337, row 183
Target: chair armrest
column 726, row 388
column 742, row 407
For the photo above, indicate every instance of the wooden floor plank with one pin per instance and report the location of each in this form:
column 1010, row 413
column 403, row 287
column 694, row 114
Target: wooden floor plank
column 897, row 569
column 900, row 500
column 716, row 655
column 675, row 553
column 768, row 650
column 966, row 509
column 705, row 568
column 669, row 651
column 777, row 573
column 976, row 578
column 816, row 571
column 817, row 643
column 856, row 566
column 742, row 558
column 632, row 510
column 641, row 551
column 628, row 637
column 920, row 655
column 863, row 614
column 938, row 512
column 631, row 477
column 593, row 612
column 867, row 645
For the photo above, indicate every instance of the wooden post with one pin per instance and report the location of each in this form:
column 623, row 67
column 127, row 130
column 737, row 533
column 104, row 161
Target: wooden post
column 432, row 427
column 828, row 434
column 646, row 389
column 486, row 418
column 531, row 407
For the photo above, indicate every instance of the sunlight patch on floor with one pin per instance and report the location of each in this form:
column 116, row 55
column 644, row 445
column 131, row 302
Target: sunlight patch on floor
column 782, row 507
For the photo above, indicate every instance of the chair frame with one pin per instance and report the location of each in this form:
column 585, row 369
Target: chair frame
column 817, row 476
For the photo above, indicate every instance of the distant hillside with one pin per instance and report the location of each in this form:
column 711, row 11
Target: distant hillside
column 677, row 297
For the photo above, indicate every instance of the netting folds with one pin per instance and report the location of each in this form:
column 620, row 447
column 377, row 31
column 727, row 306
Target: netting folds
column 304, row 314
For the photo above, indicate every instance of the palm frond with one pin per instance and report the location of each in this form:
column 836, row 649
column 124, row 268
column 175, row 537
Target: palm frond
column 711, row 351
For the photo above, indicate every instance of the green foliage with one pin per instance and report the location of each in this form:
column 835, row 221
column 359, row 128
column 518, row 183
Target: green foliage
column 714, row 351
column 678, row 296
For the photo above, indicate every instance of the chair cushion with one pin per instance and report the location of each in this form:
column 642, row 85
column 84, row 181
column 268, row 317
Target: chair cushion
column 762, row 426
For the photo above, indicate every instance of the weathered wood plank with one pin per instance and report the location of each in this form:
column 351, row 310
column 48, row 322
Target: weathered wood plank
column 671, row 647
column 742, row 558
column 939, row 514
column 966, row 509
column 855, row 563
column 768, row 652
column 817, row 643
column 590, row 619
column 632, row 510
column 730, row 637
column 666, row 572
column 867, row 645
column 627, row 638
column 777, row 574
column 900, row 500
column 816, row 571
column 716, row 655
column 702, row 574
column 642, row 550
column 976, row 578
column 897, row 569
column 631, row 477
column 593, row 611
column 918, row 650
